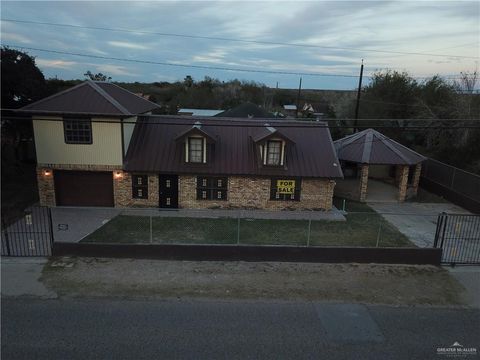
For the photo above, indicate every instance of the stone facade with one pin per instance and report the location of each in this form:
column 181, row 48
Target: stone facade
column 46, row 186
column 363, row 182
column 254, row 193
column 401, row 179
column 122, row 190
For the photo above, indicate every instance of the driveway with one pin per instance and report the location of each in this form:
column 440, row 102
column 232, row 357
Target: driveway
column 73, row 224
column 417, row 221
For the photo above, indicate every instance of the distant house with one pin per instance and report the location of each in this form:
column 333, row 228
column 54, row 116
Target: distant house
column 98, row 145
column 290, row 110
column 199, row 112
column 247, row 110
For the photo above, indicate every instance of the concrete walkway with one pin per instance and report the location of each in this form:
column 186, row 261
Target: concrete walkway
column 417, row 221
column 469, row 277
column 21, row 278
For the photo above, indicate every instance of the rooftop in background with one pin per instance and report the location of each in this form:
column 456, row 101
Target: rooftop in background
column 154, row 148
column 92, row 98
column 371, row 147
column 199, row 112
column 246, row 110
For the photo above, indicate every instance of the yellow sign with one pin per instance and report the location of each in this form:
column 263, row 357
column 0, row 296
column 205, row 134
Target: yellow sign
column 286, row 186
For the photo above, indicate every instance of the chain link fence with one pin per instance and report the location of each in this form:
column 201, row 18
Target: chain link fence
column 366, row 229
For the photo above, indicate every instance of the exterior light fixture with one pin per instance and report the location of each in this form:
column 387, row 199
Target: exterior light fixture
column 47, row 172
column 118, row 174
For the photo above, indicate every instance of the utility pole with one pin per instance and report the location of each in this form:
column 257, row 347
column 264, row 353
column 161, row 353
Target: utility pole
column 358, row 99
column 298, row 97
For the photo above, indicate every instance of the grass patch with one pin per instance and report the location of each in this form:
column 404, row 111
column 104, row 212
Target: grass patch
column 360, row 229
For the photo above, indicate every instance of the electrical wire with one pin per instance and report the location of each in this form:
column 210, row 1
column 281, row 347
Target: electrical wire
column 250, row 41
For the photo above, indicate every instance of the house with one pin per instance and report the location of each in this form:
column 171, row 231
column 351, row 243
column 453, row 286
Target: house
column 290, row 110
column 377, row 168
column 81, row 139
column 199, row 112
column 97, row 145
column 246, row 110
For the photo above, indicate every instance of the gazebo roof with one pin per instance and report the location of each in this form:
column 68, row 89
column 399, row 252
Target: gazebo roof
column 371, row 147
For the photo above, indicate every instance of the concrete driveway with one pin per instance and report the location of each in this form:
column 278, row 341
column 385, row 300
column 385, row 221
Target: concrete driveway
column 417, row 221
column 73, row 224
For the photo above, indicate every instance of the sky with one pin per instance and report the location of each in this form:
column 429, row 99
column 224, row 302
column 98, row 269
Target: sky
column 335, row 37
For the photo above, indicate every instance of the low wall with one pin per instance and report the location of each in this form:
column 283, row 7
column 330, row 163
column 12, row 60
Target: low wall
column 253, row 253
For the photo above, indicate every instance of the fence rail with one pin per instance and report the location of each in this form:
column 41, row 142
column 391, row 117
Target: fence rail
column 458, row 186
column 458, row 235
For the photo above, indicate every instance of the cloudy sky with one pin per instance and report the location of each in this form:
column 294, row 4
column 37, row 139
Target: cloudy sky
column 335, row 36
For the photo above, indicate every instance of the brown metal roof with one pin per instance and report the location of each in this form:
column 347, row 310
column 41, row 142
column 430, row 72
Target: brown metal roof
column 92, row 97
column 153, row 148
column 371, row 147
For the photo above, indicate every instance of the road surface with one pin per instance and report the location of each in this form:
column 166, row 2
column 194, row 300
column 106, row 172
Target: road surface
column 180, row 329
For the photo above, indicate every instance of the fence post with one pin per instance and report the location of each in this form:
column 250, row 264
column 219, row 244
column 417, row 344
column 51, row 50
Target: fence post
column 52, row 239
column 151, row 230
column 437, row 231
column 309, row 231
column 378, row 234
column 238, row 230
column 5, row 234
column 453, row 177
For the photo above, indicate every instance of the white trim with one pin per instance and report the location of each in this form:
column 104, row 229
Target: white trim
column 282, row 153
column 186, row 150
column 204, row 141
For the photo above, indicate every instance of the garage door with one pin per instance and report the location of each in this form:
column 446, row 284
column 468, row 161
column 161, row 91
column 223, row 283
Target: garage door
column 83, row 188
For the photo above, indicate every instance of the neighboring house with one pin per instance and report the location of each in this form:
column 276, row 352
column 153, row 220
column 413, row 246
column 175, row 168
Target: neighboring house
column 81, row 140
column 290, row 110
column 199, row 112
column 369, row 160
column 237, row 163
column 94, row 149
column 246, row 110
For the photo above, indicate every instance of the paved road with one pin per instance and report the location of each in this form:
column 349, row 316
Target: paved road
column 101, row 329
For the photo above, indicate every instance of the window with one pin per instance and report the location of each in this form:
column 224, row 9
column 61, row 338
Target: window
column 195, row 150
column 274, row 152
column 140, row 186
column 212, row 188
column 77, row 131
column 285, row 189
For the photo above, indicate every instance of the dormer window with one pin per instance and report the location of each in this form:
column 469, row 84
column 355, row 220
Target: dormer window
column 274, row 152
column 196, row 149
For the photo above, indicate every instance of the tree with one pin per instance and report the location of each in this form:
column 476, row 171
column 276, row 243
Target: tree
column 22, row 80
column 188, row 81
column 97, row 77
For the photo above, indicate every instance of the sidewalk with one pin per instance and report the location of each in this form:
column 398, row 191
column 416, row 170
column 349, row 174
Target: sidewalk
column 21, row 278
column 469, row 277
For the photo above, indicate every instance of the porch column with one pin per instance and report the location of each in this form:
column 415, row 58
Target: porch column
column 402, row 176
column 363, row 182
column 416, row 178
column 46, row 187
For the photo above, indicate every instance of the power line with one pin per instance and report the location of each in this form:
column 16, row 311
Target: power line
column 151, row 62
column 249, row 41
column 255, row 123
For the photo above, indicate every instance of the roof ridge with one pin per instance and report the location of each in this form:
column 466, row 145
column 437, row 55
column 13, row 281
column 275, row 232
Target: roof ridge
column 108, row 97
column 130, row 92
column 52, row 96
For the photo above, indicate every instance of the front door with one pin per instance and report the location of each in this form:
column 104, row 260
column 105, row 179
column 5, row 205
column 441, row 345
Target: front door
column 168, row 191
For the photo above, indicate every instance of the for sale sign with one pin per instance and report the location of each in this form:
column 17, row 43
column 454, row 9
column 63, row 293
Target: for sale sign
column 286, row 187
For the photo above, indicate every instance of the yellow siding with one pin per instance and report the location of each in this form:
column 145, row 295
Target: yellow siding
column 51, row 148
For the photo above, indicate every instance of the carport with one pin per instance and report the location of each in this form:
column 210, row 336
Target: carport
column 377, row 168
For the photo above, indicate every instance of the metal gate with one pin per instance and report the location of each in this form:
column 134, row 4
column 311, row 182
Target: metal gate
column 459, row 237
column 31, row 235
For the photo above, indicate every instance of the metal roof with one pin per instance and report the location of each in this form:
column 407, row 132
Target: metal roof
column 92, row 97
column 154, row 149
column 199, row 112
column 246, row 110
column 371, row 147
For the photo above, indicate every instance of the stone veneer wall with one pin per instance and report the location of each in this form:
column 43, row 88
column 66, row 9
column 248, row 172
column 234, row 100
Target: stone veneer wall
column 254, row 193
column 363, row 183
column 122, row 191
column 401, row 179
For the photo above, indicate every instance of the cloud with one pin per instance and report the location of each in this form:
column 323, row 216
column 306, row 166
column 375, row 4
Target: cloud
column 57, row 64
column 110, row 69
column 127, row 45
column 15, row 37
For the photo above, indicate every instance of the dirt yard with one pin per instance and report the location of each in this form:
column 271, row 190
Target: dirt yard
column 363, row 283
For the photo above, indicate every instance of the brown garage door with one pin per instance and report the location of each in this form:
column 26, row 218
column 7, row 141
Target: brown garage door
column 83, row 188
